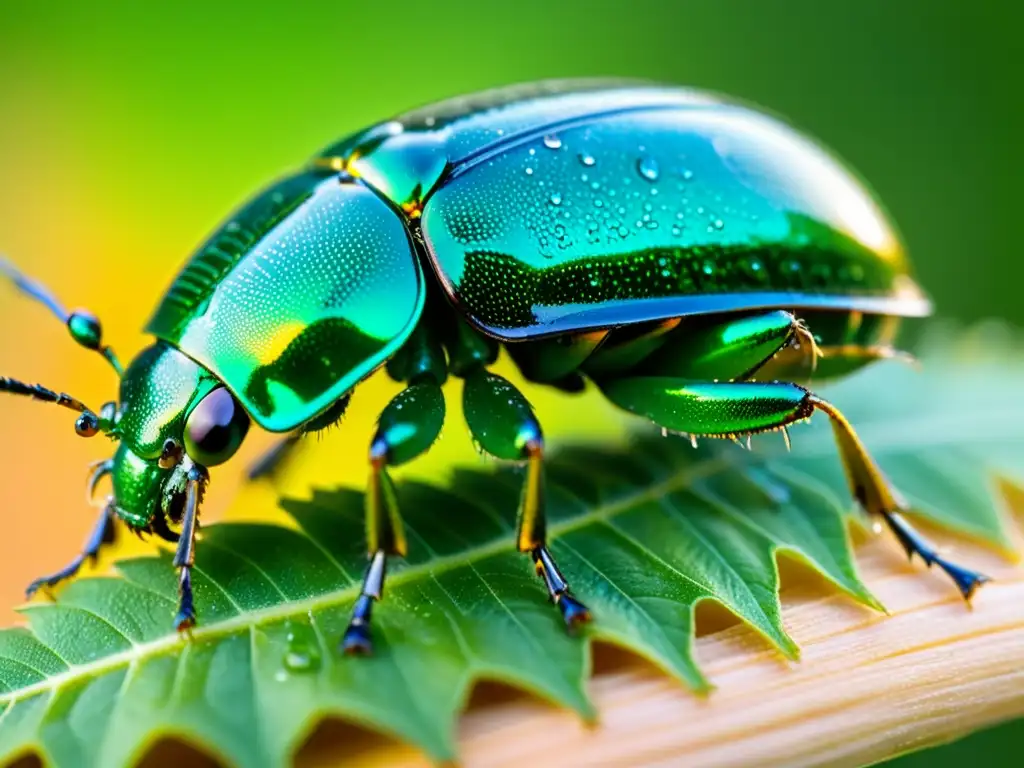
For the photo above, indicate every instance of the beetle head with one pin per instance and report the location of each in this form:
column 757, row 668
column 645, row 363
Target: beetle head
column 173, row 416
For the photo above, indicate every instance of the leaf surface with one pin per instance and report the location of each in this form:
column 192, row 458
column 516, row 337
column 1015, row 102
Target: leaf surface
column 644, row 532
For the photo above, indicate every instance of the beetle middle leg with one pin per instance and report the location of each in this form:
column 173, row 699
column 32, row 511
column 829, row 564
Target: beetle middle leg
column 408, row 426
column 503, row 424
column 728, row 409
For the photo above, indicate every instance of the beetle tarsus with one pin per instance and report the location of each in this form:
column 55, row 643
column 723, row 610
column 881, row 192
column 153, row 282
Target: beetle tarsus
column 186, row 616
column 357, row 640
column 104, row 532
column 574, row 613
column 966, row 580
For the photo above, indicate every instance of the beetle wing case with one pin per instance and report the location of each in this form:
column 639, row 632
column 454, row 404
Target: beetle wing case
column 301, row 294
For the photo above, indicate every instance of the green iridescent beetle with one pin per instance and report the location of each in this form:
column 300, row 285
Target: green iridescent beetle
column 690, row 256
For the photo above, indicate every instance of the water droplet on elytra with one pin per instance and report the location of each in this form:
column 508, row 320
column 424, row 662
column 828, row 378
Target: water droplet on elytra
column 718, row 224
column 587, row 159
column 555, row 199
column 529, row 171
column 552, row 142
column 648, row 168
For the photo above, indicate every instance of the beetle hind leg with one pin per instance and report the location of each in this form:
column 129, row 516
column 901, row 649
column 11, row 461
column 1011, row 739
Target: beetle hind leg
column 732, row 409
column 874, row 493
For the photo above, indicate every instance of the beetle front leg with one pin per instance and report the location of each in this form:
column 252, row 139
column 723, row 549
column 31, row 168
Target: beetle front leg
column 730, row 409
column 104, row 532
column 502, row 422
column 408, row 426
column 184, row 556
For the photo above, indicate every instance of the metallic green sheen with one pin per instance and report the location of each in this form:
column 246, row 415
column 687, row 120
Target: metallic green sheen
column 411, row 422
column 138, row 485
column 709, row 409
column 655, row 213
column 500, row 419
column 721, row 349
column 299, row 296
column 561, row 207
column 158, row 391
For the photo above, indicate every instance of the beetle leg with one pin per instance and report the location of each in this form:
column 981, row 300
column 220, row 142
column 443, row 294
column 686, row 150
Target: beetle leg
column 735, row 408
column 503, row 424
column 725, row 349
column 874, row 493
column 103, row 533
column 184, row 556
column 267, row 464
column 836, row 360
column 407, row 427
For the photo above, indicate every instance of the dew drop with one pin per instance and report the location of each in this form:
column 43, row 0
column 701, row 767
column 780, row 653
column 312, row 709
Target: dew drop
column 303, row 654
column 555, row 199
column 529, row 171
column 623, row 232
column 648, row 168
column 552, row 142
column 718, row 224
column 299, row 661
column 687, row 174
column 587, row 159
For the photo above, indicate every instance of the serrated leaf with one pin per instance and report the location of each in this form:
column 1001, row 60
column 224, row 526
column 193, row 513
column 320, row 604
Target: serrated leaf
column 645, row 533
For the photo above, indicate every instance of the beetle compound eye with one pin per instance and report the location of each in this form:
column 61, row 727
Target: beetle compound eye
column 215, row 428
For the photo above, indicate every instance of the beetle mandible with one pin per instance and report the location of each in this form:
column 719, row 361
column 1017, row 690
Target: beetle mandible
column 689, row 255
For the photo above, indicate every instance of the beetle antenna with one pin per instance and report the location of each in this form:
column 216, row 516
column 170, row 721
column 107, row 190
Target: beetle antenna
column 83, row 326
column 88, row 423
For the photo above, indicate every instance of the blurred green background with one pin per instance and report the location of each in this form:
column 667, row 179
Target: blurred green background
column 128, row 129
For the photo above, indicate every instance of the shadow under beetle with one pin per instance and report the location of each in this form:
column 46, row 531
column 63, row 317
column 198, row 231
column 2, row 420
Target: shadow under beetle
column 658, row 241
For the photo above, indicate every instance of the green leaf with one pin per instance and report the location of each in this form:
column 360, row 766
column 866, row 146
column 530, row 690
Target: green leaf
column 644, row 531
